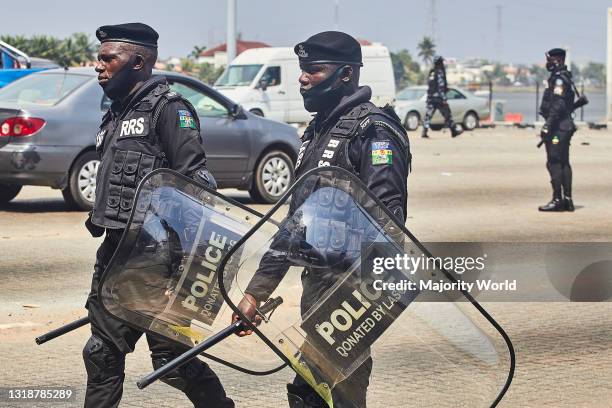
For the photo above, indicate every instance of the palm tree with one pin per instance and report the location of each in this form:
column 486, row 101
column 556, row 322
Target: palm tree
column 197, row 50
column 427, row 50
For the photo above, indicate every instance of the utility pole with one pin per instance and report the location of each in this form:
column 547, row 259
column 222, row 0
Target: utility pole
column 498, row 37
column 433, row 21
column 337, row 15
column 231, row 31
column 609, row 71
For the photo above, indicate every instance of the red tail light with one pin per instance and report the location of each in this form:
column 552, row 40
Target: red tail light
column 21, row 126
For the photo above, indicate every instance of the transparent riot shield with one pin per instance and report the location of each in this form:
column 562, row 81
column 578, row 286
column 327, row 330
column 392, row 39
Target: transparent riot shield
column 354, row 324
column 165, row 275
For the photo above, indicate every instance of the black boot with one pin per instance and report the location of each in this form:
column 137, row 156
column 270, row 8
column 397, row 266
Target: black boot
column 424, row 134
column 569, row 204
column 456, row 130
column 556, row 204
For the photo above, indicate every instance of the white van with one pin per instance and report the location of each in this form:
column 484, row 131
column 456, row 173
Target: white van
column 279, row 70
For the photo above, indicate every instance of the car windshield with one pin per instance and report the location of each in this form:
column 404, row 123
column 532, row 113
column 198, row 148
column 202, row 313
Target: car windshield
column 42, row 89
column 410, row 94
column 238, row 75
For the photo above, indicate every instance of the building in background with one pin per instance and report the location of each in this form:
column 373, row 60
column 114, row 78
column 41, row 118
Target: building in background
column 217, row 56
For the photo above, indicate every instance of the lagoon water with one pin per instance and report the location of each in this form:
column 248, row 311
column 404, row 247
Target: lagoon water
column 525, row 103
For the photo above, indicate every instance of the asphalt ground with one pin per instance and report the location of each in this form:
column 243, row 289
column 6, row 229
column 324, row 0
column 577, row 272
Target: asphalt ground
column 483, row 186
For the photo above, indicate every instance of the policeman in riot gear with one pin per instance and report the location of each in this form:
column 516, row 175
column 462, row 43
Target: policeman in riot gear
column 350, row 132
column 436, row 98
column 148, row 126
column 557, row 107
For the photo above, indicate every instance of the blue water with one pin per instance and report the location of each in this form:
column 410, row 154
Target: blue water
column 525, row 103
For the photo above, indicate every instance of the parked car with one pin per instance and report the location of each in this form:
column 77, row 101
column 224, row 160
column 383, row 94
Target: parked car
column 49, row 119
column 265, row 81
column 468, row 109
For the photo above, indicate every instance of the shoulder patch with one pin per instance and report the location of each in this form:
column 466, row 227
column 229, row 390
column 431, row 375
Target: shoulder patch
column 186, row 119
column 382, row 153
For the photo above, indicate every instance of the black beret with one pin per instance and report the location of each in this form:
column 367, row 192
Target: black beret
column 329, row 47
column 134, row 33
column 556, row 52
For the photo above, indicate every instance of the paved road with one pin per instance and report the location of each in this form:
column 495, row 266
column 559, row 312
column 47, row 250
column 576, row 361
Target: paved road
column 482, row 186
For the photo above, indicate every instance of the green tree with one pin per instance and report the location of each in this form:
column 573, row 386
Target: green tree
column 197, row 50
column 427, row 50
column 539, row 73
column 595, row 73
column 71, row 51
column 205, row 71
column 405, row 69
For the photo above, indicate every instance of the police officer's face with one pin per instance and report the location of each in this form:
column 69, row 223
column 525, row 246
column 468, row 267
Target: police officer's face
column 111, row 59
column 313, row 75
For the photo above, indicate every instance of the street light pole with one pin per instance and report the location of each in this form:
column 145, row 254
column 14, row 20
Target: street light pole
column 609, row 71
column 231, row 31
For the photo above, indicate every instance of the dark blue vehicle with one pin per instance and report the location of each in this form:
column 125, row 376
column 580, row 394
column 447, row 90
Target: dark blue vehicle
column 15, row 64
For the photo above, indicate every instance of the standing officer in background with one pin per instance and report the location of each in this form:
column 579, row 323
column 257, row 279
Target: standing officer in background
column 557, row 107
column 147, row 127
column 350, row 132
column 436, row 98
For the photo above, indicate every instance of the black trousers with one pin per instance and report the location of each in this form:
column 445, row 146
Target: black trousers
column 104, row 353
column 557, row 163
column 432, row 106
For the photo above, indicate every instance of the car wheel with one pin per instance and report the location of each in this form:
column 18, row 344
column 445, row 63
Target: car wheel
column 273, row 176
column 470, row 121
column 412, row 121
column 80, row 193
column 257, row 112
column 8, row 192
column 436, row 127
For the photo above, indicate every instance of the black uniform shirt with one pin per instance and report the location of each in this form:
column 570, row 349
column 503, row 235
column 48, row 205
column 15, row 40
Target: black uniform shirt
column 385, row 177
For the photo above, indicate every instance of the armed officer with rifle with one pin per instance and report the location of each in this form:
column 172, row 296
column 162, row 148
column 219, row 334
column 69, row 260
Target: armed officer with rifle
column 557, row 107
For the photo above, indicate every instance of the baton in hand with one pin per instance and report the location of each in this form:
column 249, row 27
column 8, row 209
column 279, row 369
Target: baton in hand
column 60, row 331
column 269, row 306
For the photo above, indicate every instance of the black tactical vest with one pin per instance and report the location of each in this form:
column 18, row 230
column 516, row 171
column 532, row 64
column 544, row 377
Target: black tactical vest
column 331, row 146
column 568, row 96
column 129, row 148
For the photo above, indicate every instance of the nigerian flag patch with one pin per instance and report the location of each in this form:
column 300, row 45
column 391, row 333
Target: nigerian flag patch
column 381, row 153
column 185, row 119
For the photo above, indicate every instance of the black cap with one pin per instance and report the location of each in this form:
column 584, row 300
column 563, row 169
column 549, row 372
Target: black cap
column 556, row 52
column 133, row 33
column 438, row 59
column 329, row 47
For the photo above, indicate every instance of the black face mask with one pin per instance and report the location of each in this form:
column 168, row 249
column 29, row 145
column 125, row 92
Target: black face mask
column 323, row 96
column 553, row 65
column 119, row 85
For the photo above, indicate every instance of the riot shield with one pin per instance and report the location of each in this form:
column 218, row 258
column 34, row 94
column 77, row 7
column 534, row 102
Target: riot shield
column 164, row 277
column 350, row 322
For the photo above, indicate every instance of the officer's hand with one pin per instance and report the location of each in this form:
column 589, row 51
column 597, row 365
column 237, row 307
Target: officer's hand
column 248, row 307
column 544, row 131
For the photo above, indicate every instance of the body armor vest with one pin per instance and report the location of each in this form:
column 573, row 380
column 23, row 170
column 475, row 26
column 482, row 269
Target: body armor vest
column 568, row 96
column 331, row 146
column 129, row 148
column 338, row 239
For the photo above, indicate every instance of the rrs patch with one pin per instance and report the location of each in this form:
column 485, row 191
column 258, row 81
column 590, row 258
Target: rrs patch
column 132, row 127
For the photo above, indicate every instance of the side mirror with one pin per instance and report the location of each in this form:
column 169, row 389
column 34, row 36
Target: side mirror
column 236, row 112
column 263, row 84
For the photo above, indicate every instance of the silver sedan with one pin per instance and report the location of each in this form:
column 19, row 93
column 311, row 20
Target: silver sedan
column 49, row 121
column 468, row 109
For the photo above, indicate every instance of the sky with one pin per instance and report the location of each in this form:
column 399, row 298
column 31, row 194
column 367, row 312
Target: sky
column 463, row 28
